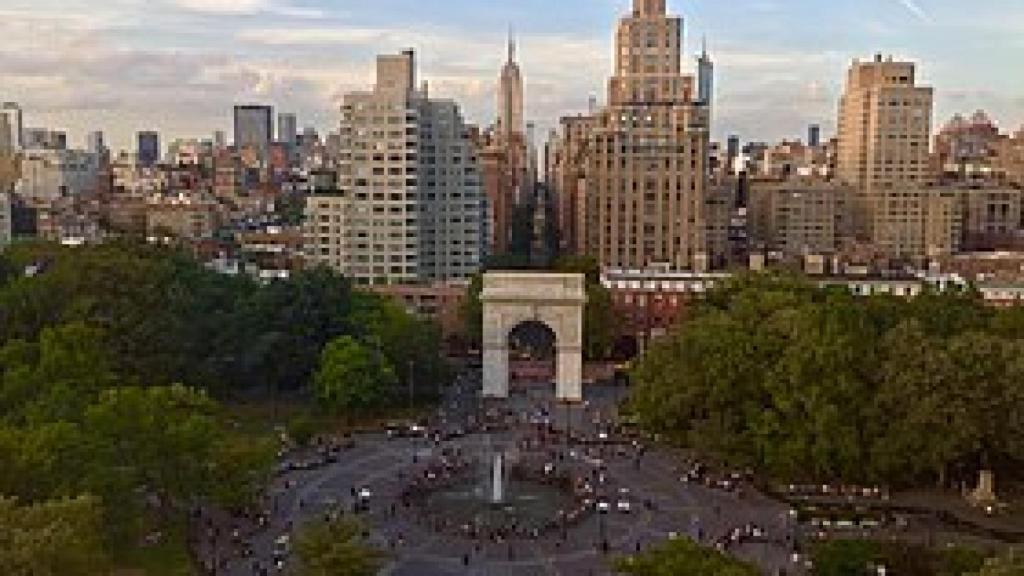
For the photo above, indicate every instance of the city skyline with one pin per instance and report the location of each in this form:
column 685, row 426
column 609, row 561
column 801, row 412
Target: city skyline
column 178, row 66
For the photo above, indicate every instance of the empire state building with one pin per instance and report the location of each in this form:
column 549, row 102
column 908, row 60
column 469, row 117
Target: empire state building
column 510, row 98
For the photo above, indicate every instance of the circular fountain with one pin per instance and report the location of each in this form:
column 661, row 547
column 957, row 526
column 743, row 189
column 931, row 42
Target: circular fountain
column 499, row 494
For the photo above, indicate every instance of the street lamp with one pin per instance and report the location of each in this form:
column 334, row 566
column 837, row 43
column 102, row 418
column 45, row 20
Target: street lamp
column 603, row 508
column 412, row 364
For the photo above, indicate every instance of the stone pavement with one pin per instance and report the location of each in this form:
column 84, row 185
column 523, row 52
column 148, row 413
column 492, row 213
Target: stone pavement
column 661, row 504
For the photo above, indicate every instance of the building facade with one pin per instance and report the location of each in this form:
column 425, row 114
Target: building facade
column 647, row 153
column 917, row 224
column 148, row 151
column 287, row 129
column 254, row 126
column 884, row 139
column 48, row 174
column 798, row 217
column 11, row 127
column 407, row 206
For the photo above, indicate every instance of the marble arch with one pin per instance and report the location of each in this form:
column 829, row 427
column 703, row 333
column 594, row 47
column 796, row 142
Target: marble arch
column 557, row 300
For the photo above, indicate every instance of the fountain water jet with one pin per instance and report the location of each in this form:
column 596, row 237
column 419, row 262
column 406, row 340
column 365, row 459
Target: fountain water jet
column 497, row 480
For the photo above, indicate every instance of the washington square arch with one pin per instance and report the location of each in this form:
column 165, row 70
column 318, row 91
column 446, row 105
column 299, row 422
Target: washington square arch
column 556, row 300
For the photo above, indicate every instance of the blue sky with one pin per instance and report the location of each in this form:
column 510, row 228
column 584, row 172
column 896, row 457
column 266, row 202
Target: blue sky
column 178, row 65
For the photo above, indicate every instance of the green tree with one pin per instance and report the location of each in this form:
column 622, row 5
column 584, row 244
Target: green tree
column 54, row 538
column 56, row 378
column 1011, row 564
column 411, row 345
column 159, row 439
column 336, row 549
column 354, row 378
column 682, row 556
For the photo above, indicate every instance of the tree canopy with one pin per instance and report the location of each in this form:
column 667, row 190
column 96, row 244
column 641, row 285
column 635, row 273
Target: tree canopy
column 114, row 363
column 817, row 384
column 336, row 549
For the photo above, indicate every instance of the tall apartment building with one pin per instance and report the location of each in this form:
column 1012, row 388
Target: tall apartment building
column 884, row 136
column 407, row 206
column 566, row 178
column 498, row 180
column 647, row 153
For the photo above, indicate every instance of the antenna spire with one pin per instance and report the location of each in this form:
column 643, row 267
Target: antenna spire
column 511, row 44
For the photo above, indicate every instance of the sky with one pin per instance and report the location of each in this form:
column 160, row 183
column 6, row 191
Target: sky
column 178, row 66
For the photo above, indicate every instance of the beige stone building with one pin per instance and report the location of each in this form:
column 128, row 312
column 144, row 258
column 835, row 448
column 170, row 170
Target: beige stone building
column 182, row 220
column 566, row 178
column 884, row 137
column 645, row 166
column 917, row 224
column 798, row 217
column 1009, row 158
column 992, row 215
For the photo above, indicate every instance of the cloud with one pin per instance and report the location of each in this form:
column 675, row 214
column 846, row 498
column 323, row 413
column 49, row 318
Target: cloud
column 247, row 8
column 914, row 8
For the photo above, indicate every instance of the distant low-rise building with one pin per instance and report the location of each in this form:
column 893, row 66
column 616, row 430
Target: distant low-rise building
column 438, row 301
column 915, row 224
column 47, row 175
column 71, row 221
column 188, row 220
column 798, row 217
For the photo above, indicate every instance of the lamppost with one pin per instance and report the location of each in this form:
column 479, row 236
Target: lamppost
column 603, row 508
column 412, row 393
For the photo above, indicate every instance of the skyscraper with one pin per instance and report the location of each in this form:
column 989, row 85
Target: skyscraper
column 254, row 126
column 287, row 129
column 884, row 135
column 148, row 152
column 511, row 120
column 814, row 135
column 96, row 144
column 408, row 206
column 647, row 153
column 14, row 133
column 705, row 77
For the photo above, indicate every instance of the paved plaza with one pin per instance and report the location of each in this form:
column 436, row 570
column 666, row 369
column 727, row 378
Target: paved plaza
column 647, row 479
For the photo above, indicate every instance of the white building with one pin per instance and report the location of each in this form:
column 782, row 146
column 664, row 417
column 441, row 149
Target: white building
column 407, row 206
column 48, row 174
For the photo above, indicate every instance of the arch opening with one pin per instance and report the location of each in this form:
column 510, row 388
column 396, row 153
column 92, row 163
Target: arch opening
column 532, row 349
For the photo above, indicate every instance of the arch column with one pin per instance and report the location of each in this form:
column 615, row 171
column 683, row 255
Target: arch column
column 495, row 360
column 569, row 377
